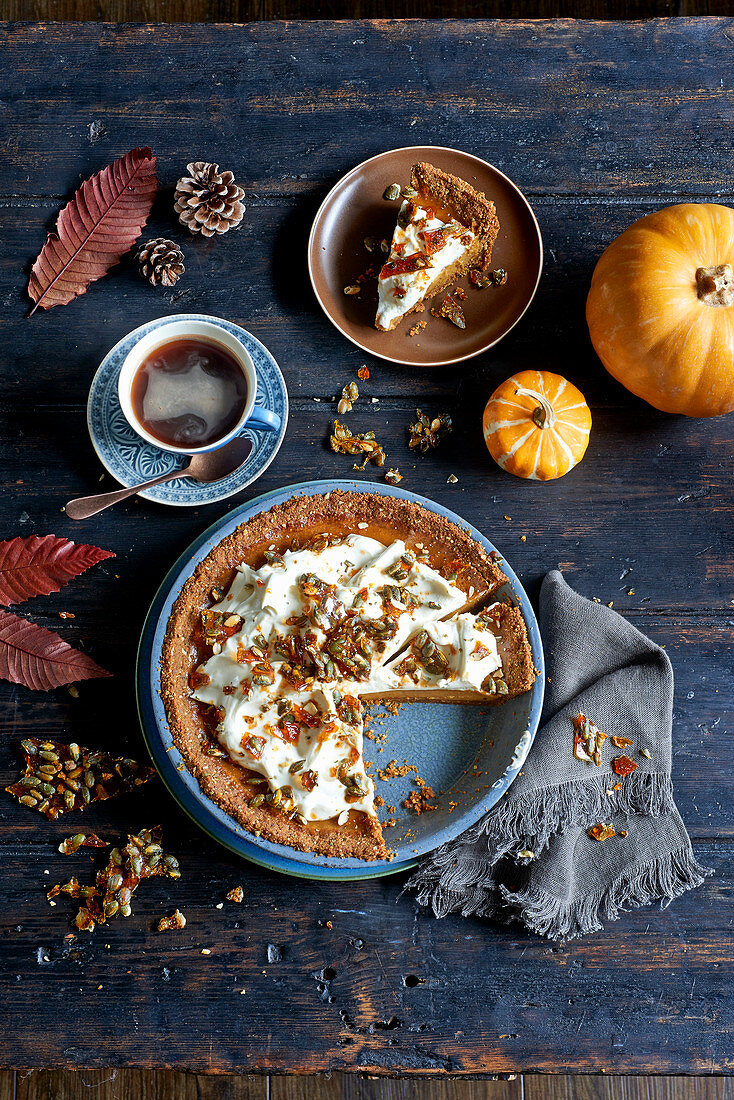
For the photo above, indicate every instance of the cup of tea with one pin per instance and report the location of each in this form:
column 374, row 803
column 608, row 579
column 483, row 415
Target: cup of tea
column 189, row 386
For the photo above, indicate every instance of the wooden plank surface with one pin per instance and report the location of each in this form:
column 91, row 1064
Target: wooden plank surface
column 134, row 1084
column 244, row 11
column 600, row 124
column 627, row 1088
column 588, row 109
column 131, row 1084
column 490, row 1000
column 342, row 1086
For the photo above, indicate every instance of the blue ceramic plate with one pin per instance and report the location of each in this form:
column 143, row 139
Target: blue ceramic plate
column 131, row 459
column 468, row 754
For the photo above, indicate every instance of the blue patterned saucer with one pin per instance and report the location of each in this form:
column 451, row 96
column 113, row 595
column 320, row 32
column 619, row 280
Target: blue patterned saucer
column 131, row 459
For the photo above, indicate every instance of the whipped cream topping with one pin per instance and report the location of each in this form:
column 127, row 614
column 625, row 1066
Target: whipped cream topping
column 416, row 594
column 293, row 644
column 417, row 234
column 461, row 654
column 307, row 757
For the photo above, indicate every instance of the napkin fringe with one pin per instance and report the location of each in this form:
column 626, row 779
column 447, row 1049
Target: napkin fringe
column 481, row 899
column 533, row 820
column 665, row 878
column 460, row 875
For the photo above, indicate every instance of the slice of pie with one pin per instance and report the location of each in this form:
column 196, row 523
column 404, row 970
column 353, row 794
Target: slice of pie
column 479, row 658
column 444, row 228
column 306, row 611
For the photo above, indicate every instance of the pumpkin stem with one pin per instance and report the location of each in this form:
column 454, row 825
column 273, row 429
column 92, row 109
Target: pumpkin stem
column 715, row 285
column 543, row 414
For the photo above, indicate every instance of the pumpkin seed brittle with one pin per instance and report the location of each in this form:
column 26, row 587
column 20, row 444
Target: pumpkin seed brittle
column 451, row 310
column 428, row 431
column 587, row 740
column 176, row 920
column 343, row 441
column 142, row 857
column 73, row 843
column 60, row 777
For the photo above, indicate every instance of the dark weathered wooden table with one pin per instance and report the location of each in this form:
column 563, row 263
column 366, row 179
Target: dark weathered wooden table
column 599, row 123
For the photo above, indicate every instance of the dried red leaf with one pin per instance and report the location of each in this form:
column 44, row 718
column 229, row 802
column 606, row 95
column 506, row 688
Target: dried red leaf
column 38, row 658
column 95, row 229
column 42, row 564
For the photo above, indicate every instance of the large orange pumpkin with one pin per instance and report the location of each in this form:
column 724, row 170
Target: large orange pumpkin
column 536, row 425
column 661, row 309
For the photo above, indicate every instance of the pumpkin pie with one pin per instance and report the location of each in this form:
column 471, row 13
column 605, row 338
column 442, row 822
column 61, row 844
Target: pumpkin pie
column 444, row 228
column 290, row 624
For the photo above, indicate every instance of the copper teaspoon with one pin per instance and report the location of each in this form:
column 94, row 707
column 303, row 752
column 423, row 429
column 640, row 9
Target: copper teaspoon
column 205, row 467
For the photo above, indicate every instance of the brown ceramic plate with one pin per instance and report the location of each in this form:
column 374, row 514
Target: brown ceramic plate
column 355, row 209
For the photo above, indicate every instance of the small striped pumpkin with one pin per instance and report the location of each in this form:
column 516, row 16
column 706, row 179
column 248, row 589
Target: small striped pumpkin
column 536, row 425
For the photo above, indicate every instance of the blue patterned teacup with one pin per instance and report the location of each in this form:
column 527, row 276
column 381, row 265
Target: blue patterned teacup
column 175, row 329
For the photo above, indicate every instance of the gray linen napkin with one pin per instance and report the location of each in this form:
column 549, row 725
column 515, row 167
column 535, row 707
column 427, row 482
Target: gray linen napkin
column 599, row 664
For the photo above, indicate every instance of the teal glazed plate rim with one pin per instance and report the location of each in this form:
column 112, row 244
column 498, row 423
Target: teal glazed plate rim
column 446, row 740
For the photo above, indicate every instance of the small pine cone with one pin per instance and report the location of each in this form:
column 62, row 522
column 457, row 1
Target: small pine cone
column 161, row 262
column 207, row 201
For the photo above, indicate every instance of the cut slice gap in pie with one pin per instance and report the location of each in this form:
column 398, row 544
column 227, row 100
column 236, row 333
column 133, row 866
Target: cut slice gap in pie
column 444, row 228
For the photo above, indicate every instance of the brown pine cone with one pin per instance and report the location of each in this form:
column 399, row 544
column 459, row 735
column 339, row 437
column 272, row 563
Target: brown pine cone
column 207, row 201
column 161, row 262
